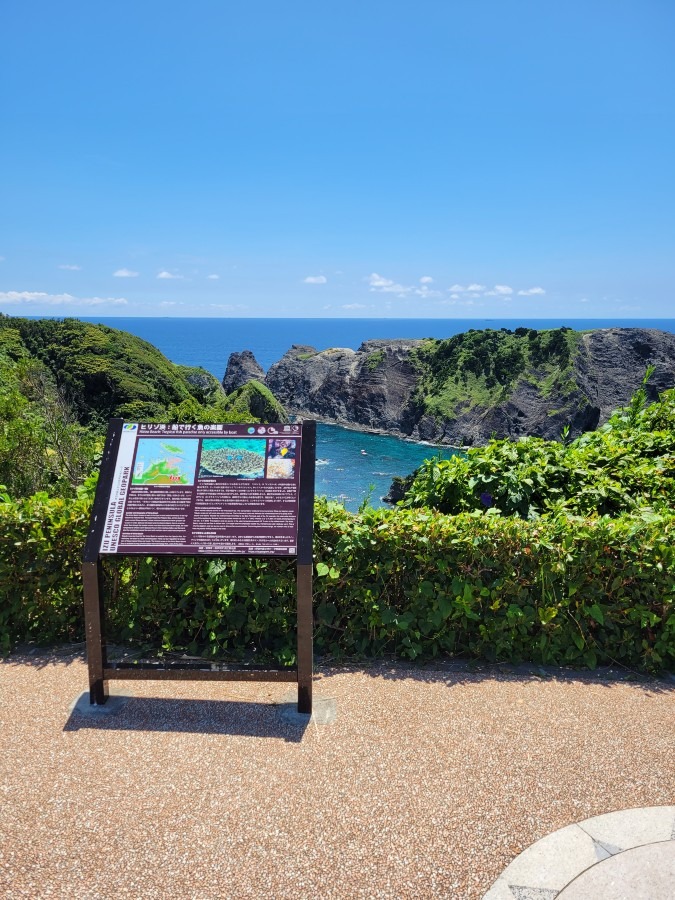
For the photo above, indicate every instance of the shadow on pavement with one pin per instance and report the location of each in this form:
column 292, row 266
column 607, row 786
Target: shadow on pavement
column 459, row 672
column 227, row 717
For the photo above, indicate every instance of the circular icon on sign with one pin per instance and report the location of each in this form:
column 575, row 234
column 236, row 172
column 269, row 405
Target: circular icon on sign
column 261, row 431
column 251, row 430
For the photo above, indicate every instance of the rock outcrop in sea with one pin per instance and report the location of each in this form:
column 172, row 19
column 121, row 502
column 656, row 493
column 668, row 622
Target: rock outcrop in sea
column 242, row 368
column 390, row 386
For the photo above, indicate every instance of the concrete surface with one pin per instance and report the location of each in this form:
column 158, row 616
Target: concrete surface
column 624, row 855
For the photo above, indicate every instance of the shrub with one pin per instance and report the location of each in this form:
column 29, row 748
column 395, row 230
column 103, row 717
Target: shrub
column 412, row 583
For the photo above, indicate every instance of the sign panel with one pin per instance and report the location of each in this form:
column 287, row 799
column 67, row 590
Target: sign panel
column 205, row 489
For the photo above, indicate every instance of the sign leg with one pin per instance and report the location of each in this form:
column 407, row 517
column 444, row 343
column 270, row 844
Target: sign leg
column 305, row 638
column 93, row 617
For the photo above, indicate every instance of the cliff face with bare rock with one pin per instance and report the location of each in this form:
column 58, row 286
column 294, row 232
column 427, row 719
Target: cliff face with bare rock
column 371, row 387
column 478, row 384
column 242, row 368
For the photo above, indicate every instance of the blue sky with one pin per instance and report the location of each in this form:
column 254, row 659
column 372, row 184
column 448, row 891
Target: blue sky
column 429, row 159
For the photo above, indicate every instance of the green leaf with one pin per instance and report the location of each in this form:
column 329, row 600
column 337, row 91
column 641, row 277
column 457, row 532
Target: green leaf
column 590, row 659
column 597, row 614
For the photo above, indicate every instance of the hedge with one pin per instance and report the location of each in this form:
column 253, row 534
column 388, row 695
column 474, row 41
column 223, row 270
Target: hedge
column 412, row 583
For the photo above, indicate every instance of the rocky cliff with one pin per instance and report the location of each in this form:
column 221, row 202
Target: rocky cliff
column 242, row 368
column 371, row 387
column 476, row 385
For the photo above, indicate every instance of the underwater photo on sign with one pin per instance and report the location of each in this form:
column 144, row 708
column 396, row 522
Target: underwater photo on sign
column 281, row 458
column 232, row 458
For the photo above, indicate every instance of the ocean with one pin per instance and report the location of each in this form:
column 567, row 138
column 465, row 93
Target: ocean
column 352, row 466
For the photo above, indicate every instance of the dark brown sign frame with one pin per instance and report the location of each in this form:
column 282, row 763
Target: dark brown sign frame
column 101, row 671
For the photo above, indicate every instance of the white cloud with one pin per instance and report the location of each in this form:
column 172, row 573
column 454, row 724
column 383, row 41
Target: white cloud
column 125, row 273
column 213, row 277
column 382, row 285
column 454, row 296
column 315, row 279
column 500, row 290
column 170, row 303
column 584, row 300
column 473, row 289
column 377, row 281
column 530, row 292
column 353, row 306
column 70, row 268
column 424, row 291
column 165, row 274
column 26, row 298
column 426, row 279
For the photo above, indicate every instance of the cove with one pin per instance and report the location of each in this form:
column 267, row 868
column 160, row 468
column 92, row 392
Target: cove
column 353, row 465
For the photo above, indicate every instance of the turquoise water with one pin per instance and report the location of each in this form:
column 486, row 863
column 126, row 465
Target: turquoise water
column 353, row 466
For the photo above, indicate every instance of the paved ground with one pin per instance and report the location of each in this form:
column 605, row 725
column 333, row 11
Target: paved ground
column 429, row 783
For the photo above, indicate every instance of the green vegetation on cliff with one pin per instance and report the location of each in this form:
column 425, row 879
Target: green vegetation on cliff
column 253, row 398
column 42, row 445
column 102, row 371
column 60, row 382
column 479, row 368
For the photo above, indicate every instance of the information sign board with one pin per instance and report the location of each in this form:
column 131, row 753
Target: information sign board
column 193, row 490
column 205, row 490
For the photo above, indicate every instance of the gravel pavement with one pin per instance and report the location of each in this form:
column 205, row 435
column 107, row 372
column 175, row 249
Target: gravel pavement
column 427, row 784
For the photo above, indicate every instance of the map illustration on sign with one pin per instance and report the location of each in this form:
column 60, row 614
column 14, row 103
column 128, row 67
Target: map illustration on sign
column 233, row 458
column 163, row 462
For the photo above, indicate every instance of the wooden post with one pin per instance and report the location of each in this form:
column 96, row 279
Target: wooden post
column 93, row 618
column 305, row 638
column 94, row 612
column 304, row 568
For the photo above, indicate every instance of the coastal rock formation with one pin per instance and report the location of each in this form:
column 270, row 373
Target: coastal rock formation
column 241, row 368
column 395, row 386
column 370, row 387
